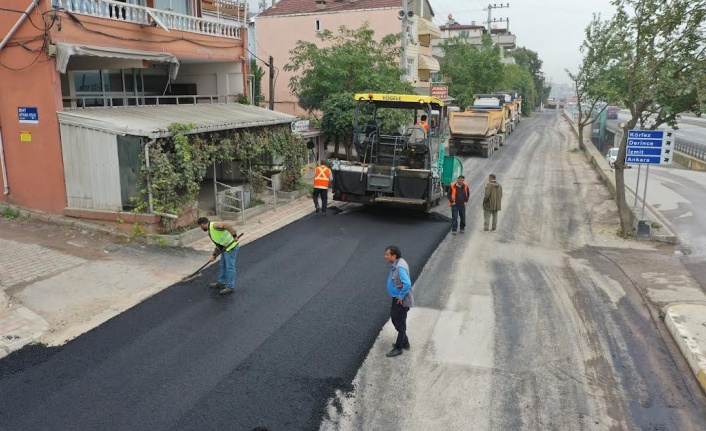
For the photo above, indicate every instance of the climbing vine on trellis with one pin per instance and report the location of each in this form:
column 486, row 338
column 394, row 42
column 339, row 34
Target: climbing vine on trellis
column 179, row 164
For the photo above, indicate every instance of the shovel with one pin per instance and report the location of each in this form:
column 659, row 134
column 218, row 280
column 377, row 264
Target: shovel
column 198, row 271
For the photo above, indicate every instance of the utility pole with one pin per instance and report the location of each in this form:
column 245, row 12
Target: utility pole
column 490, row 8
column 403, row 42
column 272, row 84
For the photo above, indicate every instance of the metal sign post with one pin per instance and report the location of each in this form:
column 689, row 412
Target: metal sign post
column 637, row 185
column 644, row 194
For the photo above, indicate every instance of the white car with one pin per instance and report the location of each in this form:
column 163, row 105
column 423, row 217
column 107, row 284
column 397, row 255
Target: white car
column 612, row 156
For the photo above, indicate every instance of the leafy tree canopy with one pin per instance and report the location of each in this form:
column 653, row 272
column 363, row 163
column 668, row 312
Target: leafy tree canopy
column 349, row 61
column 471, row 69
column 518, row 78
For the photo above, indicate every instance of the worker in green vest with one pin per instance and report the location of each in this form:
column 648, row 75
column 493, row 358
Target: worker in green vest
column 225, row 237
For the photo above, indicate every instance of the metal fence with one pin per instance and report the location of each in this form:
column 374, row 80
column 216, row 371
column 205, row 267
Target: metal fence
column 696, row 150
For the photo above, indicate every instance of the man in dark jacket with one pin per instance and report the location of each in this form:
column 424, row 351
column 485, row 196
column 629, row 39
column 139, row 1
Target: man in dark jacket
column 458, row 198
column 491, row 202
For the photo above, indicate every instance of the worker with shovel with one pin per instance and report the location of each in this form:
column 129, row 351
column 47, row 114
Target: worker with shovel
column 225, row 237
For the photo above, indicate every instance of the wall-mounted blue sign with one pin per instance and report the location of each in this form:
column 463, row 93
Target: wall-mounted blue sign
column 28, row 114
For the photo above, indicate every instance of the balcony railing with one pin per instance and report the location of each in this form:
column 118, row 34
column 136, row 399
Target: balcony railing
column 110, row 100
column 142, row 15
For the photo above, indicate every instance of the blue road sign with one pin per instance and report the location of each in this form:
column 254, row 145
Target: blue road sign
column 646, row 160
column 649, row 147
column 647, row 143
column 645, row 134
column 640, row 151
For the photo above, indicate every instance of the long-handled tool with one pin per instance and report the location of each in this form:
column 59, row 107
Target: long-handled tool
column 198, row 271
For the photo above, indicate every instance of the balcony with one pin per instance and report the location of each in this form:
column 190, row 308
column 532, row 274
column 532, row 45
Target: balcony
column 141, row 15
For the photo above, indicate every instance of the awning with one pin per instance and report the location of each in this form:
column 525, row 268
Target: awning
column 428, row 27
column 64, row 52
column 427, row 62
column 153, row 121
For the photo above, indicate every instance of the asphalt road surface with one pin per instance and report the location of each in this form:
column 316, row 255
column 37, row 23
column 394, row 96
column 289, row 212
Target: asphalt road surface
column 309, row 303
column 539, row 326
column 536, row 326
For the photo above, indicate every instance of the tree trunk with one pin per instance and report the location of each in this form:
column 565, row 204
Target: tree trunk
column 581, row 146
column 336, row 145
column 624, row 211
column 349, row 150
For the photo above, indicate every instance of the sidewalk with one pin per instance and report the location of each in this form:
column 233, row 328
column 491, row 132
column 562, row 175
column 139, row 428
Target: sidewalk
column 57, row 282
column 685, row 314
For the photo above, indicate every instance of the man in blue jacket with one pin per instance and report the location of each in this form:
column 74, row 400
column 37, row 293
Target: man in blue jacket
column 399, row 287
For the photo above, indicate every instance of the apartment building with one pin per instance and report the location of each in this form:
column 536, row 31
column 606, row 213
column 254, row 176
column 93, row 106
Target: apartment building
column 304, row 18
column 473, row 34
column 86, row 84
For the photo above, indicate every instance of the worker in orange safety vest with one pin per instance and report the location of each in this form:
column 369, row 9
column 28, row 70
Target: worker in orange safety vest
column 322, row 178
column 423, row 122
column 458, row 196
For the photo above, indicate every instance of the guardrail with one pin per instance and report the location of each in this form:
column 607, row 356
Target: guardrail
column 142, row 15
column 696, row 150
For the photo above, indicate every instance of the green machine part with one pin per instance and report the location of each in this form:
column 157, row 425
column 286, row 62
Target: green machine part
column 452, row 169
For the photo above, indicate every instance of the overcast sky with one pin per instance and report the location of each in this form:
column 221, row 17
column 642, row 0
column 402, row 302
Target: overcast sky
column 553, row 28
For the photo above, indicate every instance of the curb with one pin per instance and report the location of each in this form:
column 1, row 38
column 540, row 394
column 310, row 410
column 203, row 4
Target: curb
column 689, row 334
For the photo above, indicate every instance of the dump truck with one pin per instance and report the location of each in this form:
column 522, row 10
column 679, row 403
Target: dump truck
column 515, row 106
column 406, row 167
column 551, row 103
column 476, row 129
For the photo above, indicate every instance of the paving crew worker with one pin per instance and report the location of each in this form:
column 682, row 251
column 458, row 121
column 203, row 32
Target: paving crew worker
column 322, row 178
column 225, row 237
column 491, row 202
column 399, row 287
column 458, row 198
column 423, row 122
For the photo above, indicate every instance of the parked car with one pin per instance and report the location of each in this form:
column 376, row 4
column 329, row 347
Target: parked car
column 612, row 156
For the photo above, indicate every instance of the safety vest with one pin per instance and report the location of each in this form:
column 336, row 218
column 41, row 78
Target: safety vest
column 453, row 192
column 222, row 237
column 423, row 124
column 322, row 177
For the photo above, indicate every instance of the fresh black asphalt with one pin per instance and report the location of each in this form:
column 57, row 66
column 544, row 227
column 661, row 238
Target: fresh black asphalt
column 310, row 301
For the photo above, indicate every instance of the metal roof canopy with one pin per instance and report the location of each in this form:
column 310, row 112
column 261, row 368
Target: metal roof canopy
column 399, row 101
column 67, row 50
column 154, row 121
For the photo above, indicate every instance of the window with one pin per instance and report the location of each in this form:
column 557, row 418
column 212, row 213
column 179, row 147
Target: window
column 177, row 6
column 410, row 67
column 318, row 25
column 465, row 33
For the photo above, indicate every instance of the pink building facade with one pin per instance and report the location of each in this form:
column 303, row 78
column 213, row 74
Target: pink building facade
column 278, row 29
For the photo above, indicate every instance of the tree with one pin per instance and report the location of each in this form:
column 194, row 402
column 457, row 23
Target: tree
column 347, row 62
column 530, row 61
column 592, row 90
column 517, row 78
column 337, row 121
column 471, row 70
column 654, row 52
column 258, row 73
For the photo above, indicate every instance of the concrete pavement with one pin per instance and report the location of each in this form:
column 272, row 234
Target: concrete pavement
column 78, row 279
column 675, row 198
